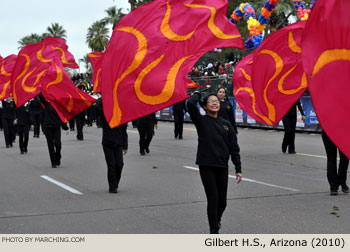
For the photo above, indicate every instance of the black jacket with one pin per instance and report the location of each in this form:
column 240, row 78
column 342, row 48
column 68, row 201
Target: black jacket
column 8, row 110
column 217, row 139
column 226, row 112
column 180, row 107
column 111, row 136
column 24, row 116
column 292, row 112
column 148, row 119
column 51, row 118
column 35, row 105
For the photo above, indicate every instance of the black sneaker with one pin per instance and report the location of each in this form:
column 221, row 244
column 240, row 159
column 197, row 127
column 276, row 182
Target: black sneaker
column 334, row 192
column 142, row 153
column 147, row 150
column 113, row 190
column 345, row 188
column 53, row 166
column 284, row 149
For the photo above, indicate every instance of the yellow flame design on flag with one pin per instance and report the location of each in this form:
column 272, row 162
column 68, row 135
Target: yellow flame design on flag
column 70, row 104
column 211, row 23
column 330, row 56
column 252, row 94
column 59, row 78
column 140, row 55
column 168, row 32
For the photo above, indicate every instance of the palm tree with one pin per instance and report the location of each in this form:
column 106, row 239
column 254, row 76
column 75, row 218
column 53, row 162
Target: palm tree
column 29, row 39
column 55, row 30
column 136, row 3
column 132, row 4
column 97, row 37
column 87, row 63
column 113, row 16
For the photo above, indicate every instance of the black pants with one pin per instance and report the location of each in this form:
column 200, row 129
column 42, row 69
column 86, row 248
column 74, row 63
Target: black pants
column 289, row 124
column 215, row 181
column 72, row 124
column 80, row 125
column 1, row 119
column 36, row 123
column 89, row 116
column 146, row 132
column 179, row 124
column 335, row 177
column 114, row 160
column 53, row 138
column 9, row 131
column 23, row 132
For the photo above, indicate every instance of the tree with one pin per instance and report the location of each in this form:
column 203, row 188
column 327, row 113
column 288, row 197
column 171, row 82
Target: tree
column 55, row 30
column 97, row 37
column 113, row 16
column 87, row 63
column 29, row 39
column 136, row 3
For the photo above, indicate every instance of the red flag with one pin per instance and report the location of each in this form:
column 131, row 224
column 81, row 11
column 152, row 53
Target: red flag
column 153, row 48
column 6, row 67
column 32, row 63
column 326, row 60
column 244, row 92
column 63, row 95
column 277, row 77
column 96, row 62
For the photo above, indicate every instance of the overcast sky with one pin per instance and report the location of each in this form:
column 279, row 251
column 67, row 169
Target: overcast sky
column 20, row 18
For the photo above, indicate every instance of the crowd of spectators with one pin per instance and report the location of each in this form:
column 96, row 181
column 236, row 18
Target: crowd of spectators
column 210, row 74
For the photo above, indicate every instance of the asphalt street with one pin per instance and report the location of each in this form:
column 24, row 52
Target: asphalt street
column 161, row 193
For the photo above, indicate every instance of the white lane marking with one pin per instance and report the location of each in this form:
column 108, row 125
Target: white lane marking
column 253, row 181
column 68, row 188
column 310, row 155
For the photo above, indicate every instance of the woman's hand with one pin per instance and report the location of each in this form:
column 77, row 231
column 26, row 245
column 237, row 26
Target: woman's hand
column 239, row 177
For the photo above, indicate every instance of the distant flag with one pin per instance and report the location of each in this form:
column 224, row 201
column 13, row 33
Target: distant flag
column 326, row 60
column 6, row 67
column 63, row 95
column 32, row 63
column 96, row 62
column 153, row 48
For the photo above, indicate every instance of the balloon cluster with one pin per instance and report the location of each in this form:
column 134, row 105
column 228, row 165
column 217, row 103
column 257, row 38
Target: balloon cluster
column 255, row 27
column 302, row 12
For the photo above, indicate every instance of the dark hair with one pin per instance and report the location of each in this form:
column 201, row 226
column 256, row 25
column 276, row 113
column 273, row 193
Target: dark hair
column 205, row 99
column 220, row 87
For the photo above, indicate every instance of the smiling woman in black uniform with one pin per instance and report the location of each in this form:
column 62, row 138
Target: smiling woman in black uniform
column 226, row 108
column 217, row 141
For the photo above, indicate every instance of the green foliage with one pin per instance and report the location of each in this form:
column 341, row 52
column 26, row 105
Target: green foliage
column 29, row 39
column 87, row 63
column 55, row 30
column 114, row 15
column 135, row 3
column 335, row 211
column 97, row 37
